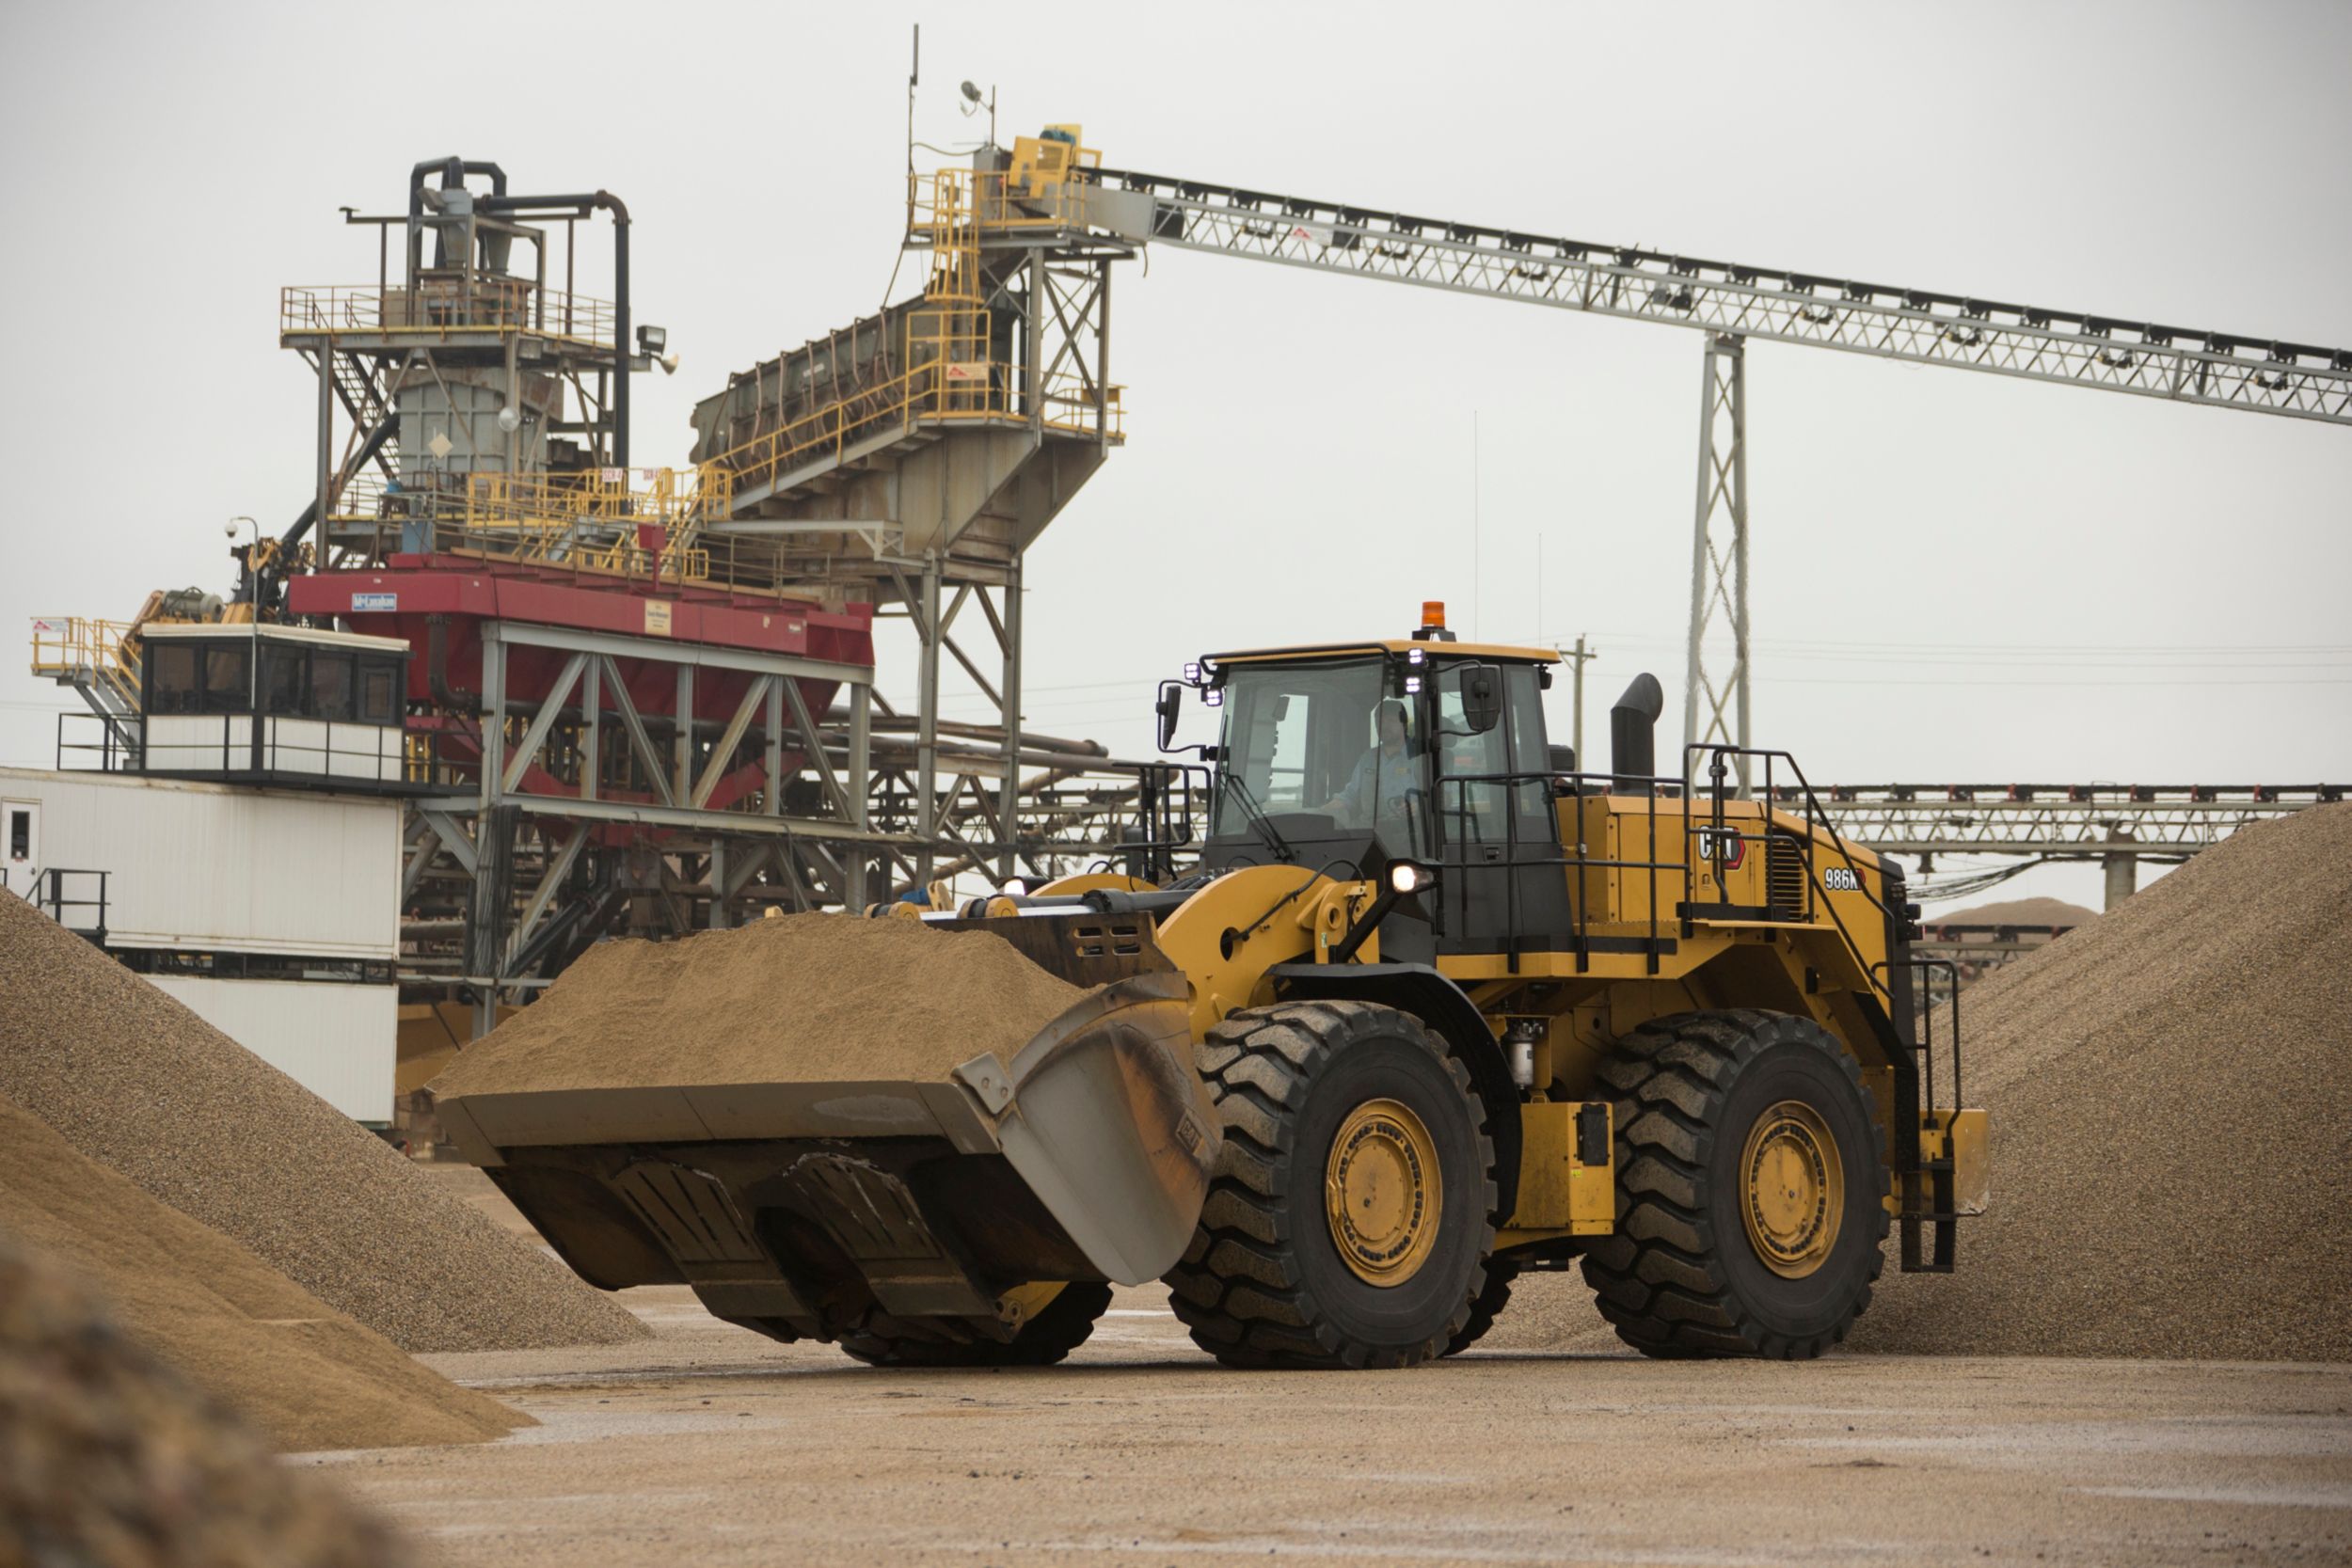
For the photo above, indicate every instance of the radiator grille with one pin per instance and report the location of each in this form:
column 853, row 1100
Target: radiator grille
column 1784, row 877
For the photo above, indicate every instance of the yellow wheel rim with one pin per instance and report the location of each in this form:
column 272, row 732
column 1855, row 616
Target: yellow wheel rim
column 1794, row 1188
column 1381, row 1192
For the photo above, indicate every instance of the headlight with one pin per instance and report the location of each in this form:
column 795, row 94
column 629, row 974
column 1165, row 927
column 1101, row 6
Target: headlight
column 1405, row 877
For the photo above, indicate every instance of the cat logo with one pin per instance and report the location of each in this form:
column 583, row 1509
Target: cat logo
column 1724, row 845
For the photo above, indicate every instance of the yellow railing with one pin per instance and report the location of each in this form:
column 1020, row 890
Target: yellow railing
column 944, row 391
column 439, row 309
column 596, row 522
column 951, row 375
column 558, row 544
column 680, row 499
column 362, row 497
column 971, row 198
column 77, row 647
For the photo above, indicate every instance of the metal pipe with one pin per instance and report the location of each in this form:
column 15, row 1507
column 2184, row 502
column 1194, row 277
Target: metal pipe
column 453, row 172
column 886, row 723
column 577, row 201
column 454, row 698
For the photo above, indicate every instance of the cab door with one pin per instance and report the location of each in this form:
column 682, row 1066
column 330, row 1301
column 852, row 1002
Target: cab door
column 1503, row 886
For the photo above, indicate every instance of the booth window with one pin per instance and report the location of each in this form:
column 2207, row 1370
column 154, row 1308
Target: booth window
column 379, row 691
column 228, row 679
column 330, row 686
column 171, row 684
column 282, row 679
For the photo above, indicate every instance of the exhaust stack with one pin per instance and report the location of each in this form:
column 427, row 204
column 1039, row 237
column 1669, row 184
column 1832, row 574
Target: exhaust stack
column 1633, row 733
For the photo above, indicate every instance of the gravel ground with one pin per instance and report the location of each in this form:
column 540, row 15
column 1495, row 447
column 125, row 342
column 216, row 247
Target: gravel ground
column 137, row 1083
column 712, row 1446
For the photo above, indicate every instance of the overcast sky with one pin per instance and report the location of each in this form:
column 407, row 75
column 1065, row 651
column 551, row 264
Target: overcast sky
column 1956, row 576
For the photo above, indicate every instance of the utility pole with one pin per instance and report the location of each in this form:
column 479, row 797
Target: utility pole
column 1579, row 654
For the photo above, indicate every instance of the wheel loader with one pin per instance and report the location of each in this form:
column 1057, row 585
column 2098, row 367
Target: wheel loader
column 1432, row 1008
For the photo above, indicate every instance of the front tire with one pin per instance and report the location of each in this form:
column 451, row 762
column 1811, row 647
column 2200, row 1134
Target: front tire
column 1750, row 1188
column 1349, row 1218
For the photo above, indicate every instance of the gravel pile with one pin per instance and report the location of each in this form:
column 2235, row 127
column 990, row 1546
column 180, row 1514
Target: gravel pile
column 137, row 1083
column 232, row 1325
column 800, row 998
column 2017, row 911
column 2171, row 1089
column 107, row 1457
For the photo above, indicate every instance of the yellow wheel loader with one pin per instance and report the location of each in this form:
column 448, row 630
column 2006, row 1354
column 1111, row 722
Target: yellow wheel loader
column 1432, row 1008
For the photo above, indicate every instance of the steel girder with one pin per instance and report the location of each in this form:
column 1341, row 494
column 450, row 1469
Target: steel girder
column 2073, row 348
column 2168, row 822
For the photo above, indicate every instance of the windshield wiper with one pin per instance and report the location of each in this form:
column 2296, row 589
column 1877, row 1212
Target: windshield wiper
column 1258, row 819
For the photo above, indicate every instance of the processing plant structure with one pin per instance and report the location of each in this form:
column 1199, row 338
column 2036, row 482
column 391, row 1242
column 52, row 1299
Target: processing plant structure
column 622, row 698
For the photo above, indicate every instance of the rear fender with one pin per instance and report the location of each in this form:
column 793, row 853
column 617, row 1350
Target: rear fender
column 1436, row 1001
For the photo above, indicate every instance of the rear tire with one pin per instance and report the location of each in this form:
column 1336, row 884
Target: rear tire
column 1751, row 1187
column 1492, row 1298
column 1349, row 1218
column 1059, row 1327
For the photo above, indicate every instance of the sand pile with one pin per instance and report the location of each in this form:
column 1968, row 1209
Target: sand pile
column 810, row 997
column 228, row 1323
column 107, row 1457
column 137, row 1083
column 2171, row 1088
column 2016, row 911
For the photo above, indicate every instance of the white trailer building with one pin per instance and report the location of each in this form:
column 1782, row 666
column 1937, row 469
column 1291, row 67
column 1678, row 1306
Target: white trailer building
column 274, row 915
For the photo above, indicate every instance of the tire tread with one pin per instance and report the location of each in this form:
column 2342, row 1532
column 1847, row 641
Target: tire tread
column 1238, row 1290
column 1658, row 1280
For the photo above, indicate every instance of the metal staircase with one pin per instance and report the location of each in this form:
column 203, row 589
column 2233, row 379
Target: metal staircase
column 100, row 662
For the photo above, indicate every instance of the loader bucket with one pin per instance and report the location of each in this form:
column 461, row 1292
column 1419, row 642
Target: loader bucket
column 815, row 1209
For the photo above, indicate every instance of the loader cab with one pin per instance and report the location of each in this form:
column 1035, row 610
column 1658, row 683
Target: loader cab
column 1348, row 758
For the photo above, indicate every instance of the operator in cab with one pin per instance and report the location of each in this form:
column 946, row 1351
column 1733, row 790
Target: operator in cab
column 1383, row 791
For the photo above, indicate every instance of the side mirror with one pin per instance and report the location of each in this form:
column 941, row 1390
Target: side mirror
column 1482, row 697
column 1170, row 702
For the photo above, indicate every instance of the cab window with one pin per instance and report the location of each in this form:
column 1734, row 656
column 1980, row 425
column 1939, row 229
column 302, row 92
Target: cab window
column 1470, row 808
column 172, row 685
column 1328, row 742
column 1530, row 747
column 1473, row 808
